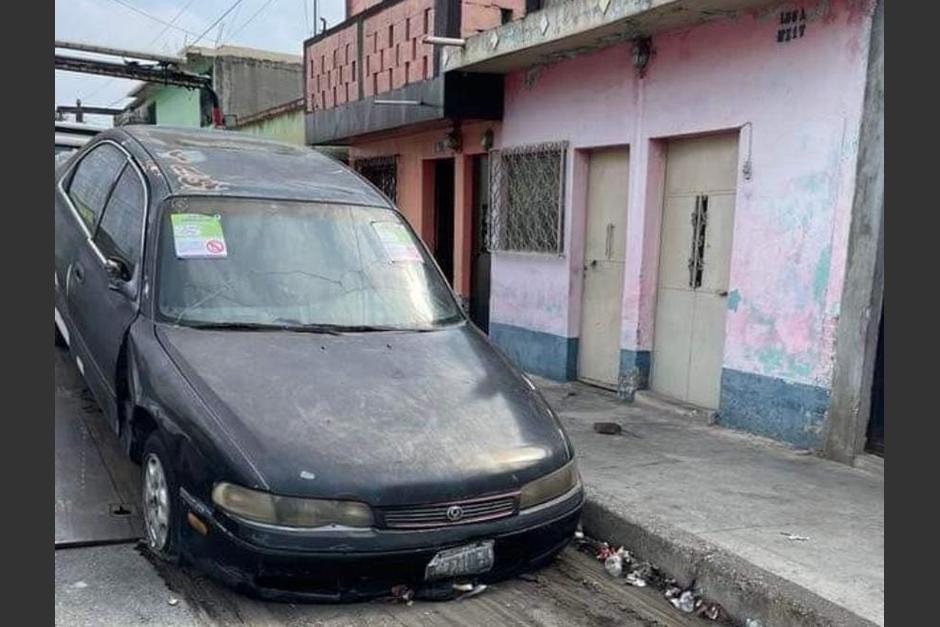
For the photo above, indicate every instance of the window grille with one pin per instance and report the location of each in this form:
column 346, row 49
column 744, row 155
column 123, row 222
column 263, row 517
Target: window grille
column 381, row 172
column 527, row 193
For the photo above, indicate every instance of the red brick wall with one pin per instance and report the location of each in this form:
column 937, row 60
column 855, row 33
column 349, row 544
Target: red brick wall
column 332, row 70
column 481, row 15
column 358, row 6
column 392, row 52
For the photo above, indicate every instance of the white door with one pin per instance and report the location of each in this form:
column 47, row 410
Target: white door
column 695, row 255
column 604, row 249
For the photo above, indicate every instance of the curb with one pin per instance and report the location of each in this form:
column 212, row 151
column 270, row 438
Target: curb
column 744, row 590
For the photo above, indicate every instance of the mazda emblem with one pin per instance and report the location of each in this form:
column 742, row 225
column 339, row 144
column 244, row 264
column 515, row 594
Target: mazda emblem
column 454, row 513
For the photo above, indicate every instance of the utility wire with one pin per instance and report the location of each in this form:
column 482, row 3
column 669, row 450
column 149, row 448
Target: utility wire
column 167, row 26
column 219, row 19
column 153, row 17
column 250, row 19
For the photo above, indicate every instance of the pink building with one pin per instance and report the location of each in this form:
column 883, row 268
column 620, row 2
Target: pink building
column 671, row 198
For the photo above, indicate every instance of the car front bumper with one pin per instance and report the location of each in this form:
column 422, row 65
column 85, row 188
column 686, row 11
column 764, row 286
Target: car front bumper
column 354, row 564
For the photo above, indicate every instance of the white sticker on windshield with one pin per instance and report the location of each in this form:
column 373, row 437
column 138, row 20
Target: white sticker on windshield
column 397, row 242
column 198, row 236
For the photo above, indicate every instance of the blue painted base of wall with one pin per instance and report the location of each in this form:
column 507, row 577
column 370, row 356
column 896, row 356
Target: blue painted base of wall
column 790, row 412
column 540, row 353
column 634, row 372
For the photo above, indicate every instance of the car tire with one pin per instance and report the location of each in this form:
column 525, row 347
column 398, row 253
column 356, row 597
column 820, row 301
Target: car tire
column 160, row 507
column 59, row 340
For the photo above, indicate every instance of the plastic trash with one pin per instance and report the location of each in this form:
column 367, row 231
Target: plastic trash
column 685, row 602
column 753, row 622
column 474, row 591
column 403, row 594
column 634, row 578
column 711, row 611
column 603, row 551
column 614, row 565
column 173, row 601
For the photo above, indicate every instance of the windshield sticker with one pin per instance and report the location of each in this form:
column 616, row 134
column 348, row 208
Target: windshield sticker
column 198, row 236
column 397, row 242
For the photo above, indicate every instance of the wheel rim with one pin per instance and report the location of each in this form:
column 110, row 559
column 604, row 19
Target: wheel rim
column 156, row 502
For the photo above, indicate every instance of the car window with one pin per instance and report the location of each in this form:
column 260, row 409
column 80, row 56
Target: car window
column 119, row 231
column 235, row 260
column 92, row 181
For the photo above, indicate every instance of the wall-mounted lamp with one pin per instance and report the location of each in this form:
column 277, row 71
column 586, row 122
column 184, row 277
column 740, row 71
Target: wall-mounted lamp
column 453, row 141
column 486, row 139
column 642, row 51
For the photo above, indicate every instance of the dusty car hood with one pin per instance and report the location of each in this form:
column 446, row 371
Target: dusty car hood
column 388, row 418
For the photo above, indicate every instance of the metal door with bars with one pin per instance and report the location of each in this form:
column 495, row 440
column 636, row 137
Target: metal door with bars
column 695, row 254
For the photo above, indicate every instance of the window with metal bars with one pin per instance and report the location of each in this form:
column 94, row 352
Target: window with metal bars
column 381, row 172
column 527, row 190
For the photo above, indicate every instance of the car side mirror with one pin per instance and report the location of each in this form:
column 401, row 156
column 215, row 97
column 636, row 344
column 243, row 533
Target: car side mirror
column 118, row 272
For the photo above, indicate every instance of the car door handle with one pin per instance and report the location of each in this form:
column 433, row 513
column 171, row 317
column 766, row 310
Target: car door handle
column 79, row 273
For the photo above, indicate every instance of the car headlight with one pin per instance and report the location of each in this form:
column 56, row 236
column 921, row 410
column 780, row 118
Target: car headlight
column 550, row 486
column 289, row 511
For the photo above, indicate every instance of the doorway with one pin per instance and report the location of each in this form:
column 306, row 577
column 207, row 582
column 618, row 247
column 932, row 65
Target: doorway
column 604, row 253
column 694, row 266
column 479, row 254
column 444, row 216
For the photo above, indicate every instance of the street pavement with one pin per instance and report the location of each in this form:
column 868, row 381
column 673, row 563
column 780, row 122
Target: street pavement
column 118, row 585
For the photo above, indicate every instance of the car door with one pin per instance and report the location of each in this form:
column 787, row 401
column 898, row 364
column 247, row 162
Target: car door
column 81, row 192
column 103, row 287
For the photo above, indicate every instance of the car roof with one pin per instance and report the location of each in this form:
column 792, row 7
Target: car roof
column 226, row 163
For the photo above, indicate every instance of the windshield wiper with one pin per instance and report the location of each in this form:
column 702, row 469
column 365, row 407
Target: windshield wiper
column 261, row 326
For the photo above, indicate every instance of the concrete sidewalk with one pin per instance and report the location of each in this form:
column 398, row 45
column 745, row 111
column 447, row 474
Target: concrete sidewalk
column 715, row 506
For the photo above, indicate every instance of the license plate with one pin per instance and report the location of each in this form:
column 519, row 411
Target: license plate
column 471, row 559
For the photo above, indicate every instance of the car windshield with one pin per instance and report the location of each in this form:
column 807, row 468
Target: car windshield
column 226, row 261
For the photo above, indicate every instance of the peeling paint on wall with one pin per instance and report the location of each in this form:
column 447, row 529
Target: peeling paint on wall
column 802, row 103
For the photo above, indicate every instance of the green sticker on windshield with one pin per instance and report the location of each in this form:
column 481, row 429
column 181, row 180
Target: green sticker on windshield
column 397, row 242
column 198, row 236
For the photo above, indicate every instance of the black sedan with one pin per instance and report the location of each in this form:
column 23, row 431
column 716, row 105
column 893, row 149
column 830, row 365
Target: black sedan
column 313, row 413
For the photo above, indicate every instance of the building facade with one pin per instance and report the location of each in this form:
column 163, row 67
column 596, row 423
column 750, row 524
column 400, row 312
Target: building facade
column 670, row 201
column 247, row 81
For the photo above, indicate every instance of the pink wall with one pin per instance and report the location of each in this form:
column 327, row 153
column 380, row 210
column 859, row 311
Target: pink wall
column 416, row 153
column 797, row 106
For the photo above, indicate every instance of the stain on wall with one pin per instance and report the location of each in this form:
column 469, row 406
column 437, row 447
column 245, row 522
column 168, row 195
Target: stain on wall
column 798, row 108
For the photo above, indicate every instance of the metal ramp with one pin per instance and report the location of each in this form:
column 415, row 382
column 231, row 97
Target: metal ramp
column 96, row 485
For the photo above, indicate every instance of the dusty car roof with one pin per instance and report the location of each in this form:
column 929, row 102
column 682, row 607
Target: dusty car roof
column 201, row 161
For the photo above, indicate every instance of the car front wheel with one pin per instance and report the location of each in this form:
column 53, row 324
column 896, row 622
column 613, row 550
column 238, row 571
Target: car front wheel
column 160, row 507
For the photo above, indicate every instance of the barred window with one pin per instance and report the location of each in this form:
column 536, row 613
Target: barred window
column 527, row 198
column 381, row 172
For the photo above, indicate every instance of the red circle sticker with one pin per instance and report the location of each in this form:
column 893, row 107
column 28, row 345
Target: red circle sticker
column 215, row 247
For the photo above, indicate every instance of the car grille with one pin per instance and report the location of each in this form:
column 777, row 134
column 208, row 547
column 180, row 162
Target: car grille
column 436, row 515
